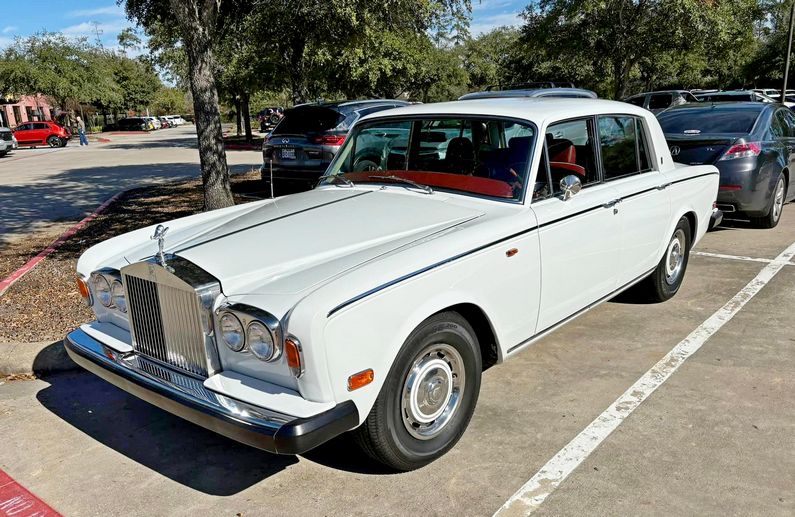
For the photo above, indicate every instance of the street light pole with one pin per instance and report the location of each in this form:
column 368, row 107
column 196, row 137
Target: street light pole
column 789, row 52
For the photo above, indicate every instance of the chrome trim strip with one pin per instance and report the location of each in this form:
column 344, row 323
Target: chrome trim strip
column 423, row 270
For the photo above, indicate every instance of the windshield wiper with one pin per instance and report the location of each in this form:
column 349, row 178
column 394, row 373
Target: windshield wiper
column 348, row 183
column 426, row 188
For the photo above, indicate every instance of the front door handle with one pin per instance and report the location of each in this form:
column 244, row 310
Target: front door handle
column 612, row 203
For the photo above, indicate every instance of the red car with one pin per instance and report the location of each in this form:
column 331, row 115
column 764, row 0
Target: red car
column 42, row 133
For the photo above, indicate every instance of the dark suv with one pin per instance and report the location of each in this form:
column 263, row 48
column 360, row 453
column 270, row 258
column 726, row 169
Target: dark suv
column 658, row 101
column 302, row 145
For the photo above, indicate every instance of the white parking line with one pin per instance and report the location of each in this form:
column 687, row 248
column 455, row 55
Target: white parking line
column 533, row 493
column 731, row 257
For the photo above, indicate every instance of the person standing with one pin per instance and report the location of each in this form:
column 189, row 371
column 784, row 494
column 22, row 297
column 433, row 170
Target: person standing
column 81, row 128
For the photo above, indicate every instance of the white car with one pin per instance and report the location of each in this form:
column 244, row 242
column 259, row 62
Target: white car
column 374, row 302
column 8, row 141
column 176, row 119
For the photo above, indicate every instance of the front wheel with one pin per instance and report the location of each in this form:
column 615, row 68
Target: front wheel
column 773, row 216
column 53, row 141
column 666, row 279
column 428, row 397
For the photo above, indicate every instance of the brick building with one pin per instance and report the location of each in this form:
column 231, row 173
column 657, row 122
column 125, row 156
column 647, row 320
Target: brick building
column 16, row 110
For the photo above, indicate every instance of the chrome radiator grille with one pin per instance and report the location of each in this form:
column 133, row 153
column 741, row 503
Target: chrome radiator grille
column 169, row 320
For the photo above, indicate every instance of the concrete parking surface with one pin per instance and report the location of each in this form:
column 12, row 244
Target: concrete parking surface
column 41, row 186
column 715, row 439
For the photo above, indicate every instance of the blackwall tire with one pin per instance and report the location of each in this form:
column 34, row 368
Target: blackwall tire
column 773, row 216
column 428, row 397
column 666, row 279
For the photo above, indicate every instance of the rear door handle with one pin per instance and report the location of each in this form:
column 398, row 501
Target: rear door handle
column 664, row 186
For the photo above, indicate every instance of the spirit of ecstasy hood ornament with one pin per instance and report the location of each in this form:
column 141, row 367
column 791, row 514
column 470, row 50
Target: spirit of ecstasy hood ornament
column 160, row 236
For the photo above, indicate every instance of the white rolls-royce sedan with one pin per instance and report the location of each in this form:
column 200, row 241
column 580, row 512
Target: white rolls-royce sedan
column 443, row 239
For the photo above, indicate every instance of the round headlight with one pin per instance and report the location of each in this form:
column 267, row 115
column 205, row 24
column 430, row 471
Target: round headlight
column 117, row 295
column 232, row 332
column 260, row 342
column 102, row 290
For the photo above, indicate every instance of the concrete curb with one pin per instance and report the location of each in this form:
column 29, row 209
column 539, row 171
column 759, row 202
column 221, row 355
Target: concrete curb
column 42, row 357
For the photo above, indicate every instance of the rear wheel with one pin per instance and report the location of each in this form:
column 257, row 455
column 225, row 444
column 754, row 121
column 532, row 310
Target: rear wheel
column 428, row 397
column 666, row 279
column 773, row 216
column 54, row 141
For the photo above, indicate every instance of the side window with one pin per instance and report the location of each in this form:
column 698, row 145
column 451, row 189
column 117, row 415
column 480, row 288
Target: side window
column 689, row 97
column 789, row 118
column 778, row 126
column 39, row 125
column 660, row 101
column 569, row 146
column 623, row 146
column 637, row 101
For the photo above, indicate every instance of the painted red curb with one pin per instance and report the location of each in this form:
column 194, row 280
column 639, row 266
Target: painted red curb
column 19, row 273
column 17, row 501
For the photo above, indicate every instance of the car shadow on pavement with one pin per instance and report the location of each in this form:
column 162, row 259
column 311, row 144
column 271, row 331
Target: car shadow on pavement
column 169, row 445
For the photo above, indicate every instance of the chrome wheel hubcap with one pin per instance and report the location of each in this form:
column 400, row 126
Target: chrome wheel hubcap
column 778, row 201
column 675, row 257
column 432, row 390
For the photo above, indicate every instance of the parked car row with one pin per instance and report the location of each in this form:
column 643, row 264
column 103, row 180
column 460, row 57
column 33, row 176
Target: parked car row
column 149, row 123
column 748, row 136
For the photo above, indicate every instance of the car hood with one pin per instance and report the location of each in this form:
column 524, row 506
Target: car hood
column 297, row 242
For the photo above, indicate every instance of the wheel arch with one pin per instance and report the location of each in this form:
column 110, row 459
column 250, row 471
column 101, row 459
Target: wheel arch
column 484, row 331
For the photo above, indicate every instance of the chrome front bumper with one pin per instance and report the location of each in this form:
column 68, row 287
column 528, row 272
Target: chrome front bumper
column 187, row 398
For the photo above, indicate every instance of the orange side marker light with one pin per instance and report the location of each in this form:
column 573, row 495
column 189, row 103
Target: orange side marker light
column 361, row 379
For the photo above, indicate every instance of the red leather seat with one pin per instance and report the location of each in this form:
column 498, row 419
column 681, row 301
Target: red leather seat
column 564, row 161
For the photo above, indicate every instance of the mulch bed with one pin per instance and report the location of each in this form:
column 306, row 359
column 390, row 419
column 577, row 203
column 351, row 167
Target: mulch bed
column 45, row 305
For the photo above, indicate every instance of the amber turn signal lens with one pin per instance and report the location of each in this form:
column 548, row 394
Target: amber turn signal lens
column 82, row 287
column 361, row 379
column 293, row 353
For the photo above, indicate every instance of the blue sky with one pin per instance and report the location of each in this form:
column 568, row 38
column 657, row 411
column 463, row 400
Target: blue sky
column 85, row 17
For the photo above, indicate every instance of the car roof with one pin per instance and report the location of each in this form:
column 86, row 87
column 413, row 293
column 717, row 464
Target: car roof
column 723, row 106
column 657, row 91
column 534, row 109
column 536, row 92
column 353, row 103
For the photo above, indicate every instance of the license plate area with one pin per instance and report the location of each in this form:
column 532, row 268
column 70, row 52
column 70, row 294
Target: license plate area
column 287, row 153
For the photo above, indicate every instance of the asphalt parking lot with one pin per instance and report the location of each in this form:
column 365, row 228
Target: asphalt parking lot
column 714, row 439
column 39, row 187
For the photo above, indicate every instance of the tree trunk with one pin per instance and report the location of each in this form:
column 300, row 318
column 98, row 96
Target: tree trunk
column 244, row 102
column 197, row 21
column 238, row 122
column 297, row 79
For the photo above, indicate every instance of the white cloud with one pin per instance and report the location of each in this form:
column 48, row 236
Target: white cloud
column 5, row 41
column 88, row 29
column 10, row 28
column 487, row 23
column 111, row 10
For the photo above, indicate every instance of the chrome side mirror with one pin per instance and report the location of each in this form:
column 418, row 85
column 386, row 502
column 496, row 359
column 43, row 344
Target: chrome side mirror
column 570, row 185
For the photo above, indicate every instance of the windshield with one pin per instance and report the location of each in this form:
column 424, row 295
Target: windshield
column 481, row 156
column 695, row 122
